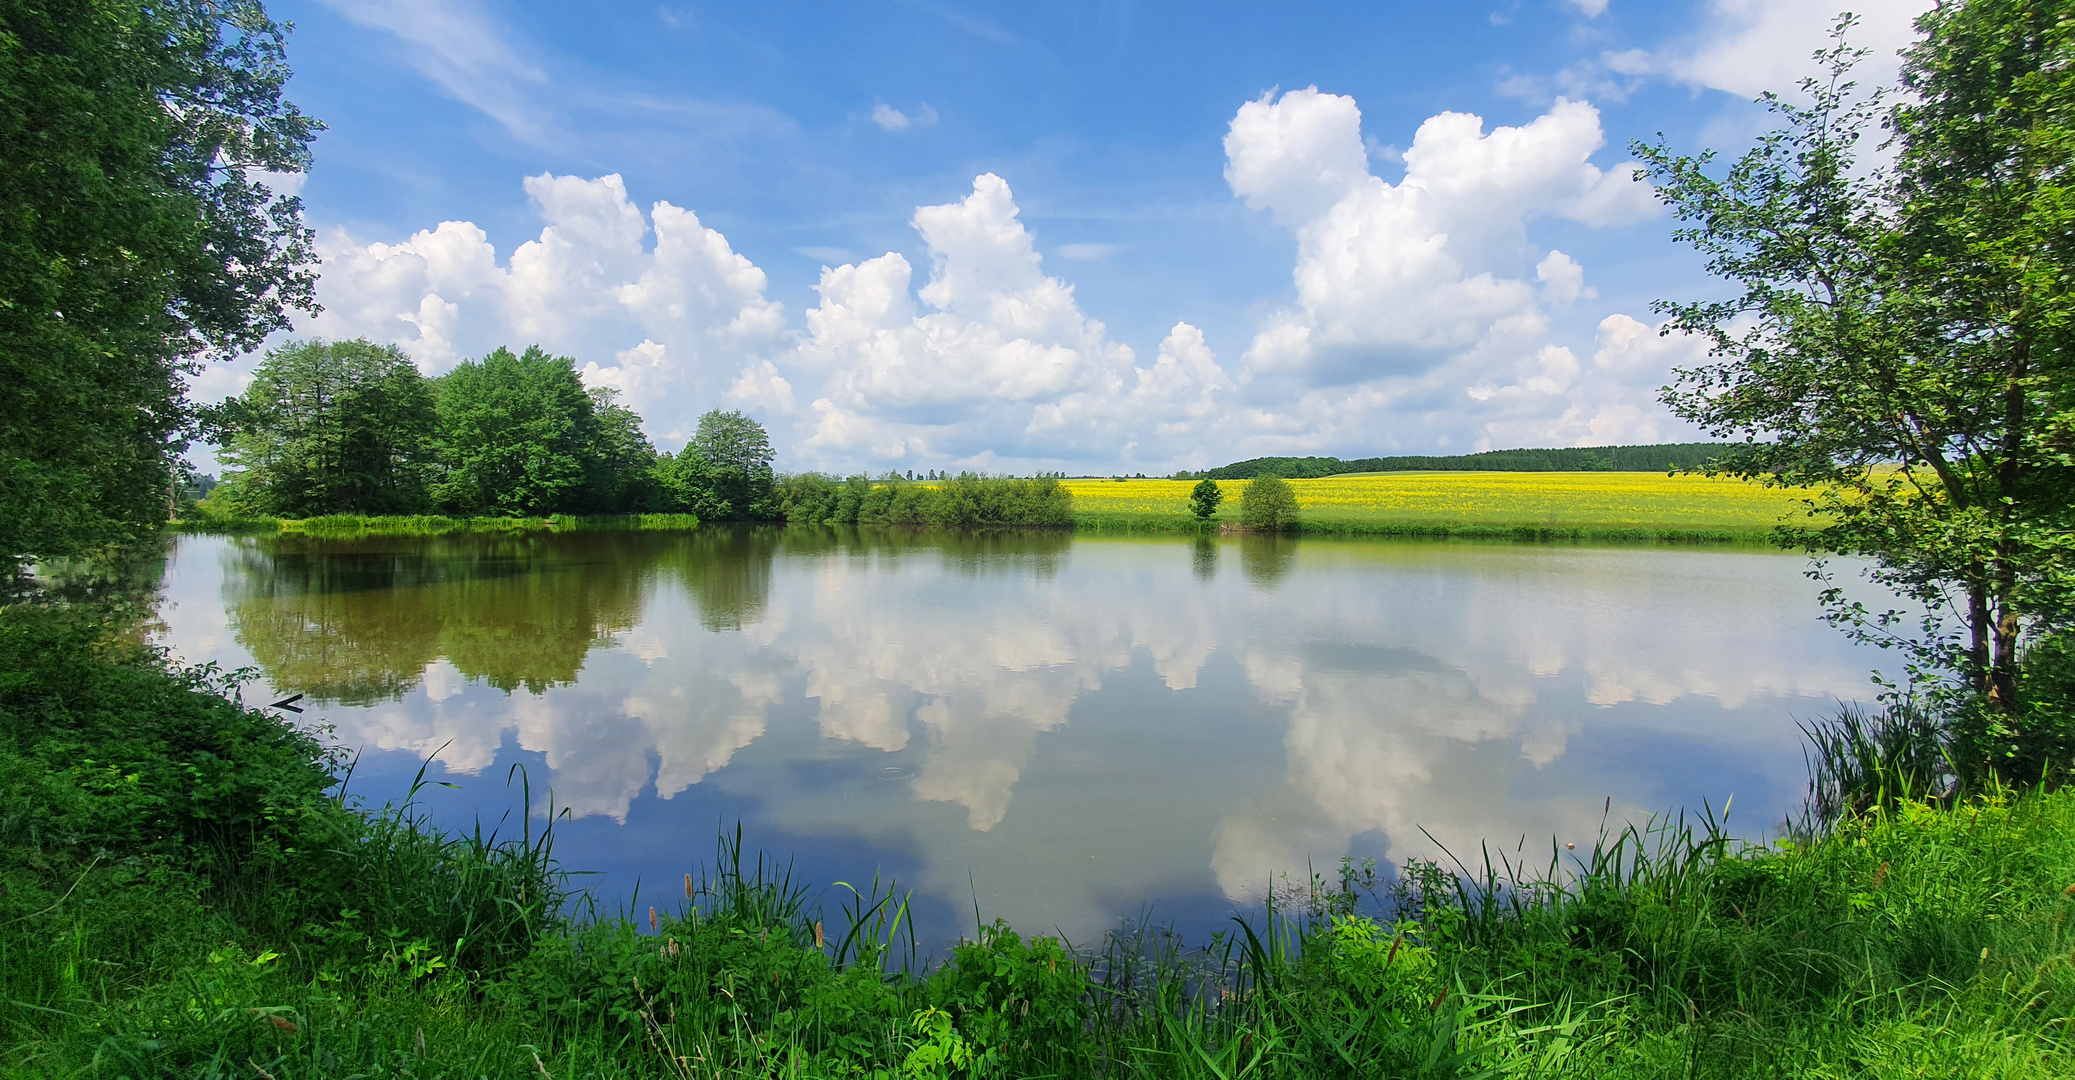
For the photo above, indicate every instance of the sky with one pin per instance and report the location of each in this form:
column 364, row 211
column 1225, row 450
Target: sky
column 1079, row 237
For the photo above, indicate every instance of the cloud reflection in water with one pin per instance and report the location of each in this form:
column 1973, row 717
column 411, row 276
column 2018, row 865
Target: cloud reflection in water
column 1077, row 724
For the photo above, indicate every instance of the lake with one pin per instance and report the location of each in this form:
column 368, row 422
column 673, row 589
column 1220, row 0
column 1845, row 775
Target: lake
column 1062, row 731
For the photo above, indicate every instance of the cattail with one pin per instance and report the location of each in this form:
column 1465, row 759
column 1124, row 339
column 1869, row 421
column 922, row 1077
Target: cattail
column 688, row 886
column 651, row 920
column 817, row 933
column 673, row 946
column 283, row 1024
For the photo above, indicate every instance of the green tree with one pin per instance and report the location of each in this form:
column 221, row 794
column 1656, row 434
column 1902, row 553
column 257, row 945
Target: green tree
column 1204, row 499
column 1901, row 339
column 724, row 472
column 517, row 435
column 137, row 240
column 622, row 462
column 1268, row 504
column 331, row 427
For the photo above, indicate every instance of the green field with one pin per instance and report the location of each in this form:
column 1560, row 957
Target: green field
column 1583, row 505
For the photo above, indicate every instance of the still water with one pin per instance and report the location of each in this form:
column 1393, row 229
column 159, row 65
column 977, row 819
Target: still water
column 1057, row 730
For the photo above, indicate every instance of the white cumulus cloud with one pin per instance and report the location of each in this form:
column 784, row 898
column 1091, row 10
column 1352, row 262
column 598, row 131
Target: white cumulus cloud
column 683, row 318
column 990, row 359
column 1396, row 278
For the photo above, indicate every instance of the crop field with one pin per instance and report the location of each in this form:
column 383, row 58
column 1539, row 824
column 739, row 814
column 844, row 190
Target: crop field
column 1582, row 504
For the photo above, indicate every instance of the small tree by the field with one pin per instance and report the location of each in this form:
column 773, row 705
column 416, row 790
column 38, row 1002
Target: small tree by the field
column 1268, row 504
column 1204, row 499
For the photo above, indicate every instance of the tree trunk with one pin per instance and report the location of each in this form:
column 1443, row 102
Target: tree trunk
column 1978, row 632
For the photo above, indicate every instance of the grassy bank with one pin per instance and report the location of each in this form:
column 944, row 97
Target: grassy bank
column 184, row 897
column 352, row 525
column 1524, row 506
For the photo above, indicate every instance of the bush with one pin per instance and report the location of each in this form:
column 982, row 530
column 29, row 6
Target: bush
column 1204, row 499
column 967, row 500
column 1268, row 504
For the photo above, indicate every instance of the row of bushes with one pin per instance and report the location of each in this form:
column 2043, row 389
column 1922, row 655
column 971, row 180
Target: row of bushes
column 963, row 501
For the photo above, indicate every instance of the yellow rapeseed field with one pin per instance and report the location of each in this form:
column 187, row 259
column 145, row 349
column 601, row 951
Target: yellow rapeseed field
column 1588, row 501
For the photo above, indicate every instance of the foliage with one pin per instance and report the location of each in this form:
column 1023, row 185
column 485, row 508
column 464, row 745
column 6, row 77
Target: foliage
column 1268, row 504
column 1901, row 338
column 136, row 241
column 517, row 435
column 967, row 500
column 1654, row 458
column 329, row 427
column 1204, row 499
column 621, row 463
column 724, row 472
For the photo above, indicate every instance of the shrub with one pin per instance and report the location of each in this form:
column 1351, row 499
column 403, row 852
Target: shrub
column 1268, row 504
column 1204, row 499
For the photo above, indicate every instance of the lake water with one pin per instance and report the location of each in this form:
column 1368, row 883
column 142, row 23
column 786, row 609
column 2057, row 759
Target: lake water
column 1058, row 730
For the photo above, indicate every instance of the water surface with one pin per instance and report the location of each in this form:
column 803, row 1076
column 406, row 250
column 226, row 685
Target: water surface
column 1058, row 730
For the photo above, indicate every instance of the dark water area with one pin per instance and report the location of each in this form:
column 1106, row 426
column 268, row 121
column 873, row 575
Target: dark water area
column 1060, row 731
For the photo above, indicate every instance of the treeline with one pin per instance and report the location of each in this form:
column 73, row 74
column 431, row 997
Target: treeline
column 1655, row 458
column 965, row 500
column 352, row 427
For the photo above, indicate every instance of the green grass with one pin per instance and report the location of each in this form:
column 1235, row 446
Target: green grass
column 356, row 525
column 182, row 893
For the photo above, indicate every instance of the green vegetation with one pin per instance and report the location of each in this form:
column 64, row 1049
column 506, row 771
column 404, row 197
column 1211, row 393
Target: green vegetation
column 1204, row 499
column 184, row 897
column 329, row 430
column 967, row 500
column 1901, row 342
column 199, row 519
column 1656, row 458
column 136, row 241
column 343, row 427
column 1267, row 504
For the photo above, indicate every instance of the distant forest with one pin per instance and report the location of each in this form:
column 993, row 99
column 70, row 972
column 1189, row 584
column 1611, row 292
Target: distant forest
column 1657, row 458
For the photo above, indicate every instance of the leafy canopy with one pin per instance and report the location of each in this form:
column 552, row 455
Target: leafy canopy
column 331, row 427
column 1901, row 336
column 137, row 239
column 1204, row 499
column 516, row 434
column 1268, row 504
column 725, row 470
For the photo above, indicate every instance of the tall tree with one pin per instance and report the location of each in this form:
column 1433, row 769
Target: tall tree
column 331, row 427
column 724, row 472
column 137, row 240
column 516, row 434
column 1901, row 337
column 621, row 459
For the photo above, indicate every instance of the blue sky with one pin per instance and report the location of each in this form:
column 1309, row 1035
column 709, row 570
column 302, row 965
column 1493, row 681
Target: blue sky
column 1097, row 237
